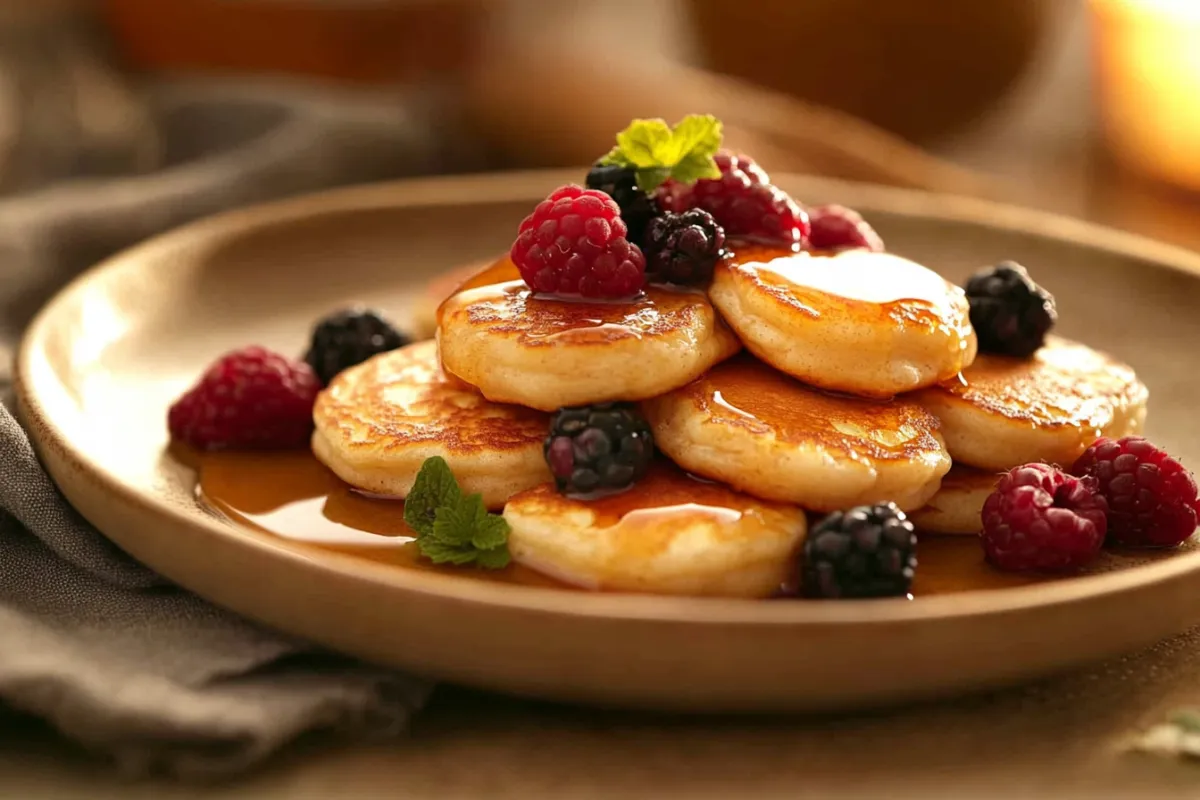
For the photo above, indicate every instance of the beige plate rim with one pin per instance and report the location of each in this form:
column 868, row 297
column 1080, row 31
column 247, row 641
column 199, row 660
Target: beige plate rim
column 497, row 187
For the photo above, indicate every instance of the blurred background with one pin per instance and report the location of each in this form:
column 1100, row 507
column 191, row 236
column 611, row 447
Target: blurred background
column 119, row 118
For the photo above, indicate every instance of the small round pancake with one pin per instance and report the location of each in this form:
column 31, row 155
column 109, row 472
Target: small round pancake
column 376, row 423
column 1010, row 411
column 871, row 324
column 958, row 505
column 771, row 436
column 549, row 353
column 424, row 307
column 668, row 534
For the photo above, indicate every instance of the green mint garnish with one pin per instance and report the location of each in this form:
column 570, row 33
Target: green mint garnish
column 657, row 151
column 452, row 529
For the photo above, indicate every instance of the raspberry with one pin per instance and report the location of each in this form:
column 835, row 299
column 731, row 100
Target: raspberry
column 1009, row 312
column 1040, row 518
column 347, row 338
column 604, row 447
column 743, row 201
column 684, row 248
column 835, row 227
column 574, row 244
column 868, row 551
column 620, row 183
column 1152, row 498
column 251, row 398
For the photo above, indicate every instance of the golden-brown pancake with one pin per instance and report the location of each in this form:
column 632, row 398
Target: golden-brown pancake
column 1006, row 411
column 668, row 534
column 377, row 422
column 771, row 436
column 548, row 353
column 957, row 506
column 871, row 324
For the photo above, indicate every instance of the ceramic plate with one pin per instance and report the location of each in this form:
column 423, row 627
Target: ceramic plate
column 103, row 361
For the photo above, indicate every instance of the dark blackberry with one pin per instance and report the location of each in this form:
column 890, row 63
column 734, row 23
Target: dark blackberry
column 349, row 337
column 600, row 448
column 683, row 248
column 620, row 183
column 868, row 551
column 1010, row 313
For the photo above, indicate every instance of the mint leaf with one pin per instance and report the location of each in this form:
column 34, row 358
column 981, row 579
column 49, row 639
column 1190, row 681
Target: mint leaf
column 491, row 532
column 657, row 152
column 434, row 488
column 464, row 533
column 440, row 552
column 493, row 559
column 695, row 134
column 643, row 143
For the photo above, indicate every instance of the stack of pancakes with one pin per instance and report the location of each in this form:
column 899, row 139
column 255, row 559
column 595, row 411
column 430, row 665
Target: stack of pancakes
column 798, row 382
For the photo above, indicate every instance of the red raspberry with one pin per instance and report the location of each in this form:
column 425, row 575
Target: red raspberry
column 1152, row 498
column 1040, row 518
column 728, row 161
column 742, row 200
column 834, row 227
column 574, row 243
column 250, row 398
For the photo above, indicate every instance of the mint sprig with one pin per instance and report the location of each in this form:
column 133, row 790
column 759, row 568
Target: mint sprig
column 451, row 528
column 658, row 152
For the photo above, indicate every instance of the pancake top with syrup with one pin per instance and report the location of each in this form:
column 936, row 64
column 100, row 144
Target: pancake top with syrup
column 506, row 307
column 653, row 511
column 743, row 392
column 403, row 399
column 854, row 282
column 1062, row 384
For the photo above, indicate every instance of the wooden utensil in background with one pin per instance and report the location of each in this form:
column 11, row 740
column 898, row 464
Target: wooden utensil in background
column 570, row 120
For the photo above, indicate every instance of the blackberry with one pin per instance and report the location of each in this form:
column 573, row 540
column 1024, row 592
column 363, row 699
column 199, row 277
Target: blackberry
column 683, row 248
column 1010, row 313
column 868, row 551
column 599, row 448
column 349, row 337
column 620, row 183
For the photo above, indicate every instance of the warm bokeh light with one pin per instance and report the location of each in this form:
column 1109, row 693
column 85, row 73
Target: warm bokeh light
column 1148, row 80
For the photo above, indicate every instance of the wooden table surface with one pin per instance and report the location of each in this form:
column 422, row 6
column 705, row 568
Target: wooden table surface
column 1062, row 739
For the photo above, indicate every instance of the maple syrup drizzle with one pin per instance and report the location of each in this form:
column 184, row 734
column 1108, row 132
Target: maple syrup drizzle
column 294, row 496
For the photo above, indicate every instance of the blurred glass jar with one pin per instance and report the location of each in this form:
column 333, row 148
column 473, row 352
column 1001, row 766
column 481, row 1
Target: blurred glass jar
column 364, row 41
column 1148, row 84
column 920, row 68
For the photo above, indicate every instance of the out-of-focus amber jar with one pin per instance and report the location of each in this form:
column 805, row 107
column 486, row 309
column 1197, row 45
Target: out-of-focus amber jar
column 921, row 68
column 1147, row 55
column 365, row 41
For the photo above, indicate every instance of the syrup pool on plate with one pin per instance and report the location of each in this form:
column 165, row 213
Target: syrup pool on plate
column 293, row 496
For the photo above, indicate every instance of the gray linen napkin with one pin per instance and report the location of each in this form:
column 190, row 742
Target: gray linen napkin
column 106, row 651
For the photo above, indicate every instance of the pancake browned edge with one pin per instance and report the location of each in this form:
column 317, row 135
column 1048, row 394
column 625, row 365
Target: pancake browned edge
column 1006, row 411
column 771, row 436
column 547, row 353
column 667, row 534
column 958, row 504
column 378, row 422
column 828, row 338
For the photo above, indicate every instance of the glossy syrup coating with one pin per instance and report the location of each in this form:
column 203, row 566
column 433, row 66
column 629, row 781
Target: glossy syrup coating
column 866, row 323
column 669, row 533
column 294, row 497
column 1005, row 411
column 769, row 435
column 516, row 346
